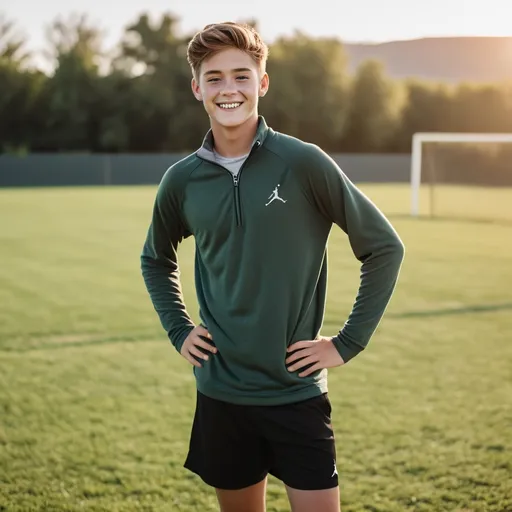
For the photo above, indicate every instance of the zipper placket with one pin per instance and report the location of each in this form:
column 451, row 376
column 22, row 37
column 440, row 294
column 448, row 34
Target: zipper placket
column 238, row 211
column 236, row 182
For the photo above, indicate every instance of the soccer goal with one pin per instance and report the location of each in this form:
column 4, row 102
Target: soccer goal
column 466, row 175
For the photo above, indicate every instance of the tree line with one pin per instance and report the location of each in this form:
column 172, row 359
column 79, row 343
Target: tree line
column 138, row 99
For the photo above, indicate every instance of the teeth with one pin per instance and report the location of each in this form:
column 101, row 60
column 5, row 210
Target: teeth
column 229, row 105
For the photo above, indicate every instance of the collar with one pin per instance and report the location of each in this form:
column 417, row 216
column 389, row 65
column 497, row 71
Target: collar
column 206, row 150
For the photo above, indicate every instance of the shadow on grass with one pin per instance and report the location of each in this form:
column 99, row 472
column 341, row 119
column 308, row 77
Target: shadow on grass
column 452, row 311
column 72, row 342
column 76, row 341
column 450, row 218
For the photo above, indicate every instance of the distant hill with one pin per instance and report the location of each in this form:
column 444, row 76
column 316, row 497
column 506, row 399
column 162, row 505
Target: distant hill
column 448, row 59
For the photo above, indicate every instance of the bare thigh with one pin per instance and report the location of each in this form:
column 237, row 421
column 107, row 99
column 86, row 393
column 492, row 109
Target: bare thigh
column 326, row 500
column 248, row 499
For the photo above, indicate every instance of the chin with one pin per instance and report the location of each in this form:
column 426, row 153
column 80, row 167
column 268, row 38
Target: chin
column 230, row 123
column 229, row 119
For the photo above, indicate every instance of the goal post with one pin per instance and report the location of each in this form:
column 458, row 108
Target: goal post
column 420, row 138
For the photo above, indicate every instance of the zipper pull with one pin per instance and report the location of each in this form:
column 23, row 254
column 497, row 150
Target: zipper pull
column 235, row 180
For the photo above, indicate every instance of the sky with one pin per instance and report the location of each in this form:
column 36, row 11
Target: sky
column 350, row 20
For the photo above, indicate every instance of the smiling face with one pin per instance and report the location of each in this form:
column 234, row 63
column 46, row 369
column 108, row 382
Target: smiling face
column 229, row 84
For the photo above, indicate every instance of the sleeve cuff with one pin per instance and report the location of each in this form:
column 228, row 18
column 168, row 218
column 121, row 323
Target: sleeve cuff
column 346, row 349
column 179, row 340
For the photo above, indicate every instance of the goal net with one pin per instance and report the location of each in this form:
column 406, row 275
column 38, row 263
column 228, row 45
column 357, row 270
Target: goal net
column 462, row 175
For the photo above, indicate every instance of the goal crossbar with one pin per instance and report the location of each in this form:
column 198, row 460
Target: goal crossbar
column 419, row 138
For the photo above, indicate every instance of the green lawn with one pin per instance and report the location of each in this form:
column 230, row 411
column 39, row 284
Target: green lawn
column 96, row 406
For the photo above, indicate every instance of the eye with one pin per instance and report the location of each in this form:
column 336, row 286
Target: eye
column 211, row 80
column 243, row 77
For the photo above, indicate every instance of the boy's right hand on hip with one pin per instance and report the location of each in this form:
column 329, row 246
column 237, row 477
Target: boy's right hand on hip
column 196, row 348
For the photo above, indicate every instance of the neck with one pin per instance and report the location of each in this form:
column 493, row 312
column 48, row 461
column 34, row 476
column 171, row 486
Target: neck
column 235, row 141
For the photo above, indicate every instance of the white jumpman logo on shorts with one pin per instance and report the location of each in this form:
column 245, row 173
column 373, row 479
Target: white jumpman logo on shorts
column 274, row 196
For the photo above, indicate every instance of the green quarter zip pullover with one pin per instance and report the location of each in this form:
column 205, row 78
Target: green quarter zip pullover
column 261, row 265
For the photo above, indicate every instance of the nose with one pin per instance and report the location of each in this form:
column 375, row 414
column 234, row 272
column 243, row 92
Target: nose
column 229, row 87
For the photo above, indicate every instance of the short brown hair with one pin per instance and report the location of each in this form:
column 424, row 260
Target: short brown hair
column 220, row 36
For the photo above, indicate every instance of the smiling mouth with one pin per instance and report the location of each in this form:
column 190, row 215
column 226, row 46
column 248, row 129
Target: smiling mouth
column 229, row 106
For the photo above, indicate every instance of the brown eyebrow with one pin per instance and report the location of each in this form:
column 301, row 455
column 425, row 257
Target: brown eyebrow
column 218, row 72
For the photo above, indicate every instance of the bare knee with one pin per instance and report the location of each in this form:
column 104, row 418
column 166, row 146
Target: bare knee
column 326, row 500
column 248, row 499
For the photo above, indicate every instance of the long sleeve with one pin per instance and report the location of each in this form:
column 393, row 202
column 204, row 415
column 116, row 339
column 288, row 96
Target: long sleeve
column 159, row 261
column 374, row 242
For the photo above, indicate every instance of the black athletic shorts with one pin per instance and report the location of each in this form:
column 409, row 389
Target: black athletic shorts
column 235, row 446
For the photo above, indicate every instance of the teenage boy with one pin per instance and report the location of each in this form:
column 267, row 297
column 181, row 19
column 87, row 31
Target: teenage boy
column 260, row 205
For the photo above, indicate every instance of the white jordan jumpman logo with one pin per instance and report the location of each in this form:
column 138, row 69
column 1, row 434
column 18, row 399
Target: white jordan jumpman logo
column 274, row 196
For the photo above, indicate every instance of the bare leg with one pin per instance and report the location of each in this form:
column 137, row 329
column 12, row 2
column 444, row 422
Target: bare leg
column 326, row 500
column 248, row 499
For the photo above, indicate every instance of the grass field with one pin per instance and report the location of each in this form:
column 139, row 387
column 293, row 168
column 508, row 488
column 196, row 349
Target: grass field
column 96, row 406
column 475, row 203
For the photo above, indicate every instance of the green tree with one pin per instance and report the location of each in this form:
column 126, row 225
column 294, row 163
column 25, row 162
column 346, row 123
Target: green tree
column 427, row 109
column 141, row 99
column 74, row 114
column 308, row 89
column 21, row 113
column 12, row 44
column 375, row 104
column 164, row 115
column 481, row 108
column 114, row 102
column 21, row 109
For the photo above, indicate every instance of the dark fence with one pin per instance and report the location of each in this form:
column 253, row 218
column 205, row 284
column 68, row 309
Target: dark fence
column 37, row 170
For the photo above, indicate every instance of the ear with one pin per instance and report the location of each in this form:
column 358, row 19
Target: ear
column 196, row 90
column 264, row 85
